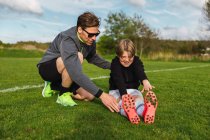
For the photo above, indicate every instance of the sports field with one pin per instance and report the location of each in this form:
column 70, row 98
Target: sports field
column 182, row 88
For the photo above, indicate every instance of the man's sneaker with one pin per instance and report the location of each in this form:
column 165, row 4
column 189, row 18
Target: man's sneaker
column 66, row 99
column 47, row 92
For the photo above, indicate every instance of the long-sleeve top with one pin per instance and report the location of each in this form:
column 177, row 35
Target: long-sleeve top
column 123, row 78
column 67, row 45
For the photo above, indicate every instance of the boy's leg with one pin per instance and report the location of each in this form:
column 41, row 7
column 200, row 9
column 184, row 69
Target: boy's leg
column 116, row 95
column 139, row 101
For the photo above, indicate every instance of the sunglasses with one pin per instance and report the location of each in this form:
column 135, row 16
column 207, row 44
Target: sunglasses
column 90, row 35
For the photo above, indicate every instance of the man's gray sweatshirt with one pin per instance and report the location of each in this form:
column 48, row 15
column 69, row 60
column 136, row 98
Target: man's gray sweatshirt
column 67, row 45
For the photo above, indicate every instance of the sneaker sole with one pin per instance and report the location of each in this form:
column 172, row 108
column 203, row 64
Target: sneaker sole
column 45, row 85
column 128, row 105
column 151, row 104
column 59, row 102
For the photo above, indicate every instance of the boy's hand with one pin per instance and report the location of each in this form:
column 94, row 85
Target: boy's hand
column 147, row 86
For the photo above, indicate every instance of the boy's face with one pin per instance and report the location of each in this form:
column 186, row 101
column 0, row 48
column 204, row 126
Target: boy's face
column 126, row 59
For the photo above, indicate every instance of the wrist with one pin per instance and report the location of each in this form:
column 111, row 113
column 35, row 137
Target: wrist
column 99, row 93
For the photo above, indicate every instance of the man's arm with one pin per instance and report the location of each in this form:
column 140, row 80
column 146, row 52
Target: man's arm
column 95, row 59
column 69, row 55
column 99, row 61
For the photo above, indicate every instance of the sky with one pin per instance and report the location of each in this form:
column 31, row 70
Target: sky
column 42, row 20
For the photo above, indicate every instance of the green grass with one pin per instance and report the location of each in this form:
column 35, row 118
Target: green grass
column 20, row 53
column 183, row 111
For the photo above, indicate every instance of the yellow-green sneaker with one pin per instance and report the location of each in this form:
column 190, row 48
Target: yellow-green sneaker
column 47, row 91
column 66, row 100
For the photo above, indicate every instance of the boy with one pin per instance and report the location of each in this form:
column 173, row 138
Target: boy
column 127, row 72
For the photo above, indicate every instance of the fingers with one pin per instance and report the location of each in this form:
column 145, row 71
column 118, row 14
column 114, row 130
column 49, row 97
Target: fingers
column 115, row 107
column 147, row 88
column 110, row 109
column 110, row 102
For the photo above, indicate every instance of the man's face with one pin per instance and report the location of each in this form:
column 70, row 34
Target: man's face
column 126, row 59
column 89, row 34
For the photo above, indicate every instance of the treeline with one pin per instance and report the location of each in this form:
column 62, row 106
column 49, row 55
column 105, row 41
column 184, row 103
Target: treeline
column 154, row 49
column 162, row 46
column 24, row 45
column 119, row 26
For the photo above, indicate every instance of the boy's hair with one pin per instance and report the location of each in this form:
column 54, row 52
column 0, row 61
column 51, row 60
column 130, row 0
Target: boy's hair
column 125, row 45
column 88, row 19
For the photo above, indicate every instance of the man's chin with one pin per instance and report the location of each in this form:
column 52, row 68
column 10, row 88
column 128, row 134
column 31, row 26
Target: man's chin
column 89, row 43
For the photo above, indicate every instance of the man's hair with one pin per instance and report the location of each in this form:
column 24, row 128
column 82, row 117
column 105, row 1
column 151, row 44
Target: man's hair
column 125, row 45
column 88, row 19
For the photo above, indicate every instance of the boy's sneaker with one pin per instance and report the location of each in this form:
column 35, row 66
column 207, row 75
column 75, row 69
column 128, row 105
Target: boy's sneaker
column 150, row 106
column 47, row 91
column 66, row 99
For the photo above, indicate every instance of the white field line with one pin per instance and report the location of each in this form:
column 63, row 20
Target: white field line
column 95, row 78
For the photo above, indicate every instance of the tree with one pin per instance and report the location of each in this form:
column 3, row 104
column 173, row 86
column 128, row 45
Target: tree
column 119, row 26
column 106, row 44
column 206, row 10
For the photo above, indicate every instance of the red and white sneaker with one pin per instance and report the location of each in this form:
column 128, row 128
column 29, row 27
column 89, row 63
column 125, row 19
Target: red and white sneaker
column 128, row 104
column 150, row 106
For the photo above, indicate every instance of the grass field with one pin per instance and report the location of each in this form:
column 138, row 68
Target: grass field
column 182, row 88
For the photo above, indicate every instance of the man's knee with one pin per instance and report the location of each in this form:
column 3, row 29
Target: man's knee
column 60, row 65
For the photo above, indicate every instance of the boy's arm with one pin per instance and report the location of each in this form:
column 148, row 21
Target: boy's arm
column 117, row 77
column 147, row 85
column 139, row 71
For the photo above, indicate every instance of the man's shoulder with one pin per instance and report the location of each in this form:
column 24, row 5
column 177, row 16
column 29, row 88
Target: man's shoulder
column 71, row 32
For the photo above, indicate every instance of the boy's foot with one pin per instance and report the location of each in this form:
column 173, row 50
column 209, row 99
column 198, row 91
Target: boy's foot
column 150, row 104
column 128, row 104
column 66, row 99
column 47, row 91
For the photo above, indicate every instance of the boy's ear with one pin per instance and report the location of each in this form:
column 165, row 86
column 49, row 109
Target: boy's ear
column 79, row 30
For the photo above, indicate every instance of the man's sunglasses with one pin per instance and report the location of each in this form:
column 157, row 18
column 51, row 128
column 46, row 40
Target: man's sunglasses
column 90, row 35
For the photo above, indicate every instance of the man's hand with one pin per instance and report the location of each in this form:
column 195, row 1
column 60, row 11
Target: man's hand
column 80, row 55
column 110, row 102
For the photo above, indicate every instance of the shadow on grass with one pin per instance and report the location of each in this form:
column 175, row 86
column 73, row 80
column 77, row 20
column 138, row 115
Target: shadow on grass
column 92, row 123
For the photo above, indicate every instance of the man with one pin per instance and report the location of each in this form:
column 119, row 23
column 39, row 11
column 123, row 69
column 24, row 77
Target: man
column 61, row 65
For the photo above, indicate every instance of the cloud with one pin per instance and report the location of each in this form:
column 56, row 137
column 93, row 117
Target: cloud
column 184, row 33
column 77, row 7
column 22, row 6
column 161, row 12
column 140, row 3
column 44, row 22
column 183, row 4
